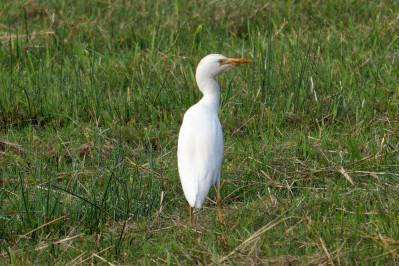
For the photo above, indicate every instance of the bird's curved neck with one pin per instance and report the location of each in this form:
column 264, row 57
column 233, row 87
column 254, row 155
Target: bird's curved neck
column 210, row 89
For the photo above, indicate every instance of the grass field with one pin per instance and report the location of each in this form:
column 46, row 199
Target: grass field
column 92, row 95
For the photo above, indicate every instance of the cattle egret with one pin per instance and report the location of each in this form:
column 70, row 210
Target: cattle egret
column 200, row 146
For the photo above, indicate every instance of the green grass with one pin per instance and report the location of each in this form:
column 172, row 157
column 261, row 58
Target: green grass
column 92, row 95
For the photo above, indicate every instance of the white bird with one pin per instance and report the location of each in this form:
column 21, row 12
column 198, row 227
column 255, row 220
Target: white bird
column 200, row 146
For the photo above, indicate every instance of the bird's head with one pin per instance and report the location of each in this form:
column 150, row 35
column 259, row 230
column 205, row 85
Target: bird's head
column 214, row 64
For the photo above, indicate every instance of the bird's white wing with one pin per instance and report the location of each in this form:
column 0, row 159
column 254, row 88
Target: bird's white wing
column 200, row 153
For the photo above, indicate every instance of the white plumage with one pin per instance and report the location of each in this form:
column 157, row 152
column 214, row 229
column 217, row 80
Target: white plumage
column 200, row 146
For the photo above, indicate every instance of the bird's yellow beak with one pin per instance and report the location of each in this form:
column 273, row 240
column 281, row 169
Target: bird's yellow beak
column 235, row 61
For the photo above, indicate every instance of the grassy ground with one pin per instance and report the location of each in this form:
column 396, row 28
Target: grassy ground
column 92, row 94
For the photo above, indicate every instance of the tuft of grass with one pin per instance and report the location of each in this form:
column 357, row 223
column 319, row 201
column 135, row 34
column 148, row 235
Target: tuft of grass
column 92, row 95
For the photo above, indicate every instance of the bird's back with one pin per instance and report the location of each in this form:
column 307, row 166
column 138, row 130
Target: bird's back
column 200, row 153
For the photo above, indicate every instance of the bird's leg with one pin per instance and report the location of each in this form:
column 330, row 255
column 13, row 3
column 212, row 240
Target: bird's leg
column 219, row 203
column 191, row 213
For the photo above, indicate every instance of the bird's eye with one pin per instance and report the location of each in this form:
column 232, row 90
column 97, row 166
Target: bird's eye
column 220, row 61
